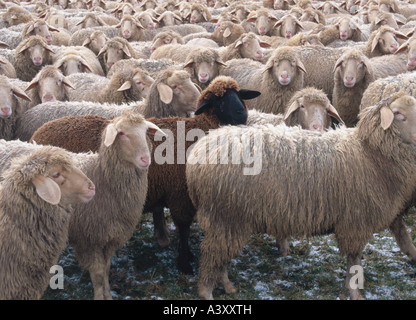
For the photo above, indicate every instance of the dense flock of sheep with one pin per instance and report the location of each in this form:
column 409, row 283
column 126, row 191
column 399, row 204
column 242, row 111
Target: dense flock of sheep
column 318, row 95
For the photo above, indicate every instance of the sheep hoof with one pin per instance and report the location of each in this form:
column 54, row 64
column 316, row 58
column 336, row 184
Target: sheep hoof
column 205, row 294
column 163, row 238
column 284, row 248
column 185, row 268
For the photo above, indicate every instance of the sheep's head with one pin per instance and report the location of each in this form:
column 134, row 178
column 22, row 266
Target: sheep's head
column 264, row 21
column 204, row 63
column 91, row 20
column 199, row 13
column 36, row 48
column 385, row 39
column 169, row 18
column 250, row 46
column 224, row 99
column 51, row 173
column 311, row 109
column 114, row 50
column 146, row 20
column 139, row 80
column 353, row 68
column 73, row 63
column 127, row 26
column 50, row 84
column 96, row 41
column 284, row 65
column 8, row 92
column 41, row 28
column 166, row 37
column 127, row 134
column 410, row 46
column 289, row 26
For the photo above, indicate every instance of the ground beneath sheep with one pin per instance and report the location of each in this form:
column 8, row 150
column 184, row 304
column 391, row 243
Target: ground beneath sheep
column 314, row 270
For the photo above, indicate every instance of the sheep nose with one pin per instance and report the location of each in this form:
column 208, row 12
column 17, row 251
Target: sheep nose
column 394, row 46
column 109, row 65
column 6, row 112
column 37, row 60
column 47, row 98
column 316, row 127
column 284, row 75
column 262, row 30
column 259, row 54
column 288, row 34
column 126, row 34
column 145, row 161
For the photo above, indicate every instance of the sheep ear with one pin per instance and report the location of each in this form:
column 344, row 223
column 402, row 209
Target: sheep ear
column 118, row 26
column 338, row 63
column 204, row 14
column 47, row 189
column 52, row 29
column 226, row 33
column 333, row 113
column 400, row 35
column 253, row 19
column 80, row 22
column 205, row 103
column 246, row 94
column 139, row 25
column 165, row 92
column 68, row 83
column 238, row 44
column 268, row 66
column 175, row 16
column 32, row 84
column 3, row 44
column 47, row 48
column 292, row 108
column 110, row 135
column 189, row 63
column 278, row 24
column 300, row 66
column 86, row 42
column 387, row 117
column 264, row 44
column 299, row 24
column 102, row 51
column 29, row 29
column 125, row 86
column 403, row 47
column 86, row 66
column 221, row 62
column 126, row 51
column 375, row 42
column 174, row 41
column 152, row 128
column 20, row 93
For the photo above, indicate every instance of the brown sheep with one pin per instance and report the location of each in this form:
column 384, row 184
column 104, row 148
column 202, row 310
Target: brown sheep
column 30, row 56
column 362, row 177
column 383, row 41
column 132, row 30
column 199, row 13
column 116, row 49
column 77, row 59
column 264, row 22
column 52, row 35
column 39, row 189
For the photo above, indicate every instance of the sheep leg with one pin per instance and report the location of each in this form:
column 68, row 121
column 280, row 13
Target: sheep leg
column 185, row 255
column 284, row 248
column 97, row 275
column 354, row 260
column 226, row 283
column 403, row 238
column 107, row 290
column 161, row 230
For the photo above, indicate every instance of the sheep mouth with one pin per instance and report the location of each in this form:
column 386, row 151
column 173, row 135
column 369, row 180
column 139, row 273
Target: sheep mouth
column 411, row 65
column 284, row 82
column 349, row 84
column 87, row 197
column 203, row 80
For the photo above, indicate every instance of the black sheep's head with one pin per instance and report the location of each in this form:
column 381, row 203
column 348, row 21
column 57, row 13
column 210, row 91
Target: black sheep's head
column 225, row 100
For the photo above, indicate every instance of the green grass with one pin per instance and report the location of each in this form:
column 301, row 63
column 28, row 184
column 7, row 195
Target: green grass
column 313, row 271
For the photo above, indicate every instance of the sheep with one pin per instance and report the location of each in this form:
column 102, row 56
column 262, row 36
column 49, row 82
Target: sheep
column 11, row 38
column 10, row 107
column 123, row 87
column 288, row 26
column 166, row 37
column 6, row 68
column 77, row 59
column 168, row 18
column 410, row 46
column 16, row 15
column 198, row 13
column 48, row 85
column 85, row 37
column 385, row 18
column 264, row 22
column 353, row 165
column 30, row 56
column 40, row 27
column 38, row 189
column 184, row 29
column 330, row 7
column 227, row 32
column 171, row 192
column 93, row 20
column 175, row 52
column 172, row 94
column 132, row 30
column 385, row 87
column 353, row 72
column 383, row 41
column 248, row 45
column 278, row 79
column 123, row 156
column 147, row 19
column 313, row 15
column 116, row 49
column 203, row 64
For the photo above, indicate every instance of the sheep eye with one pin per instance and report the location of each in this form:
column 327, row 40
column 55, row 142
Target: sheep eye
column 121, row 133
column 56, row 175
column 302, row 106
